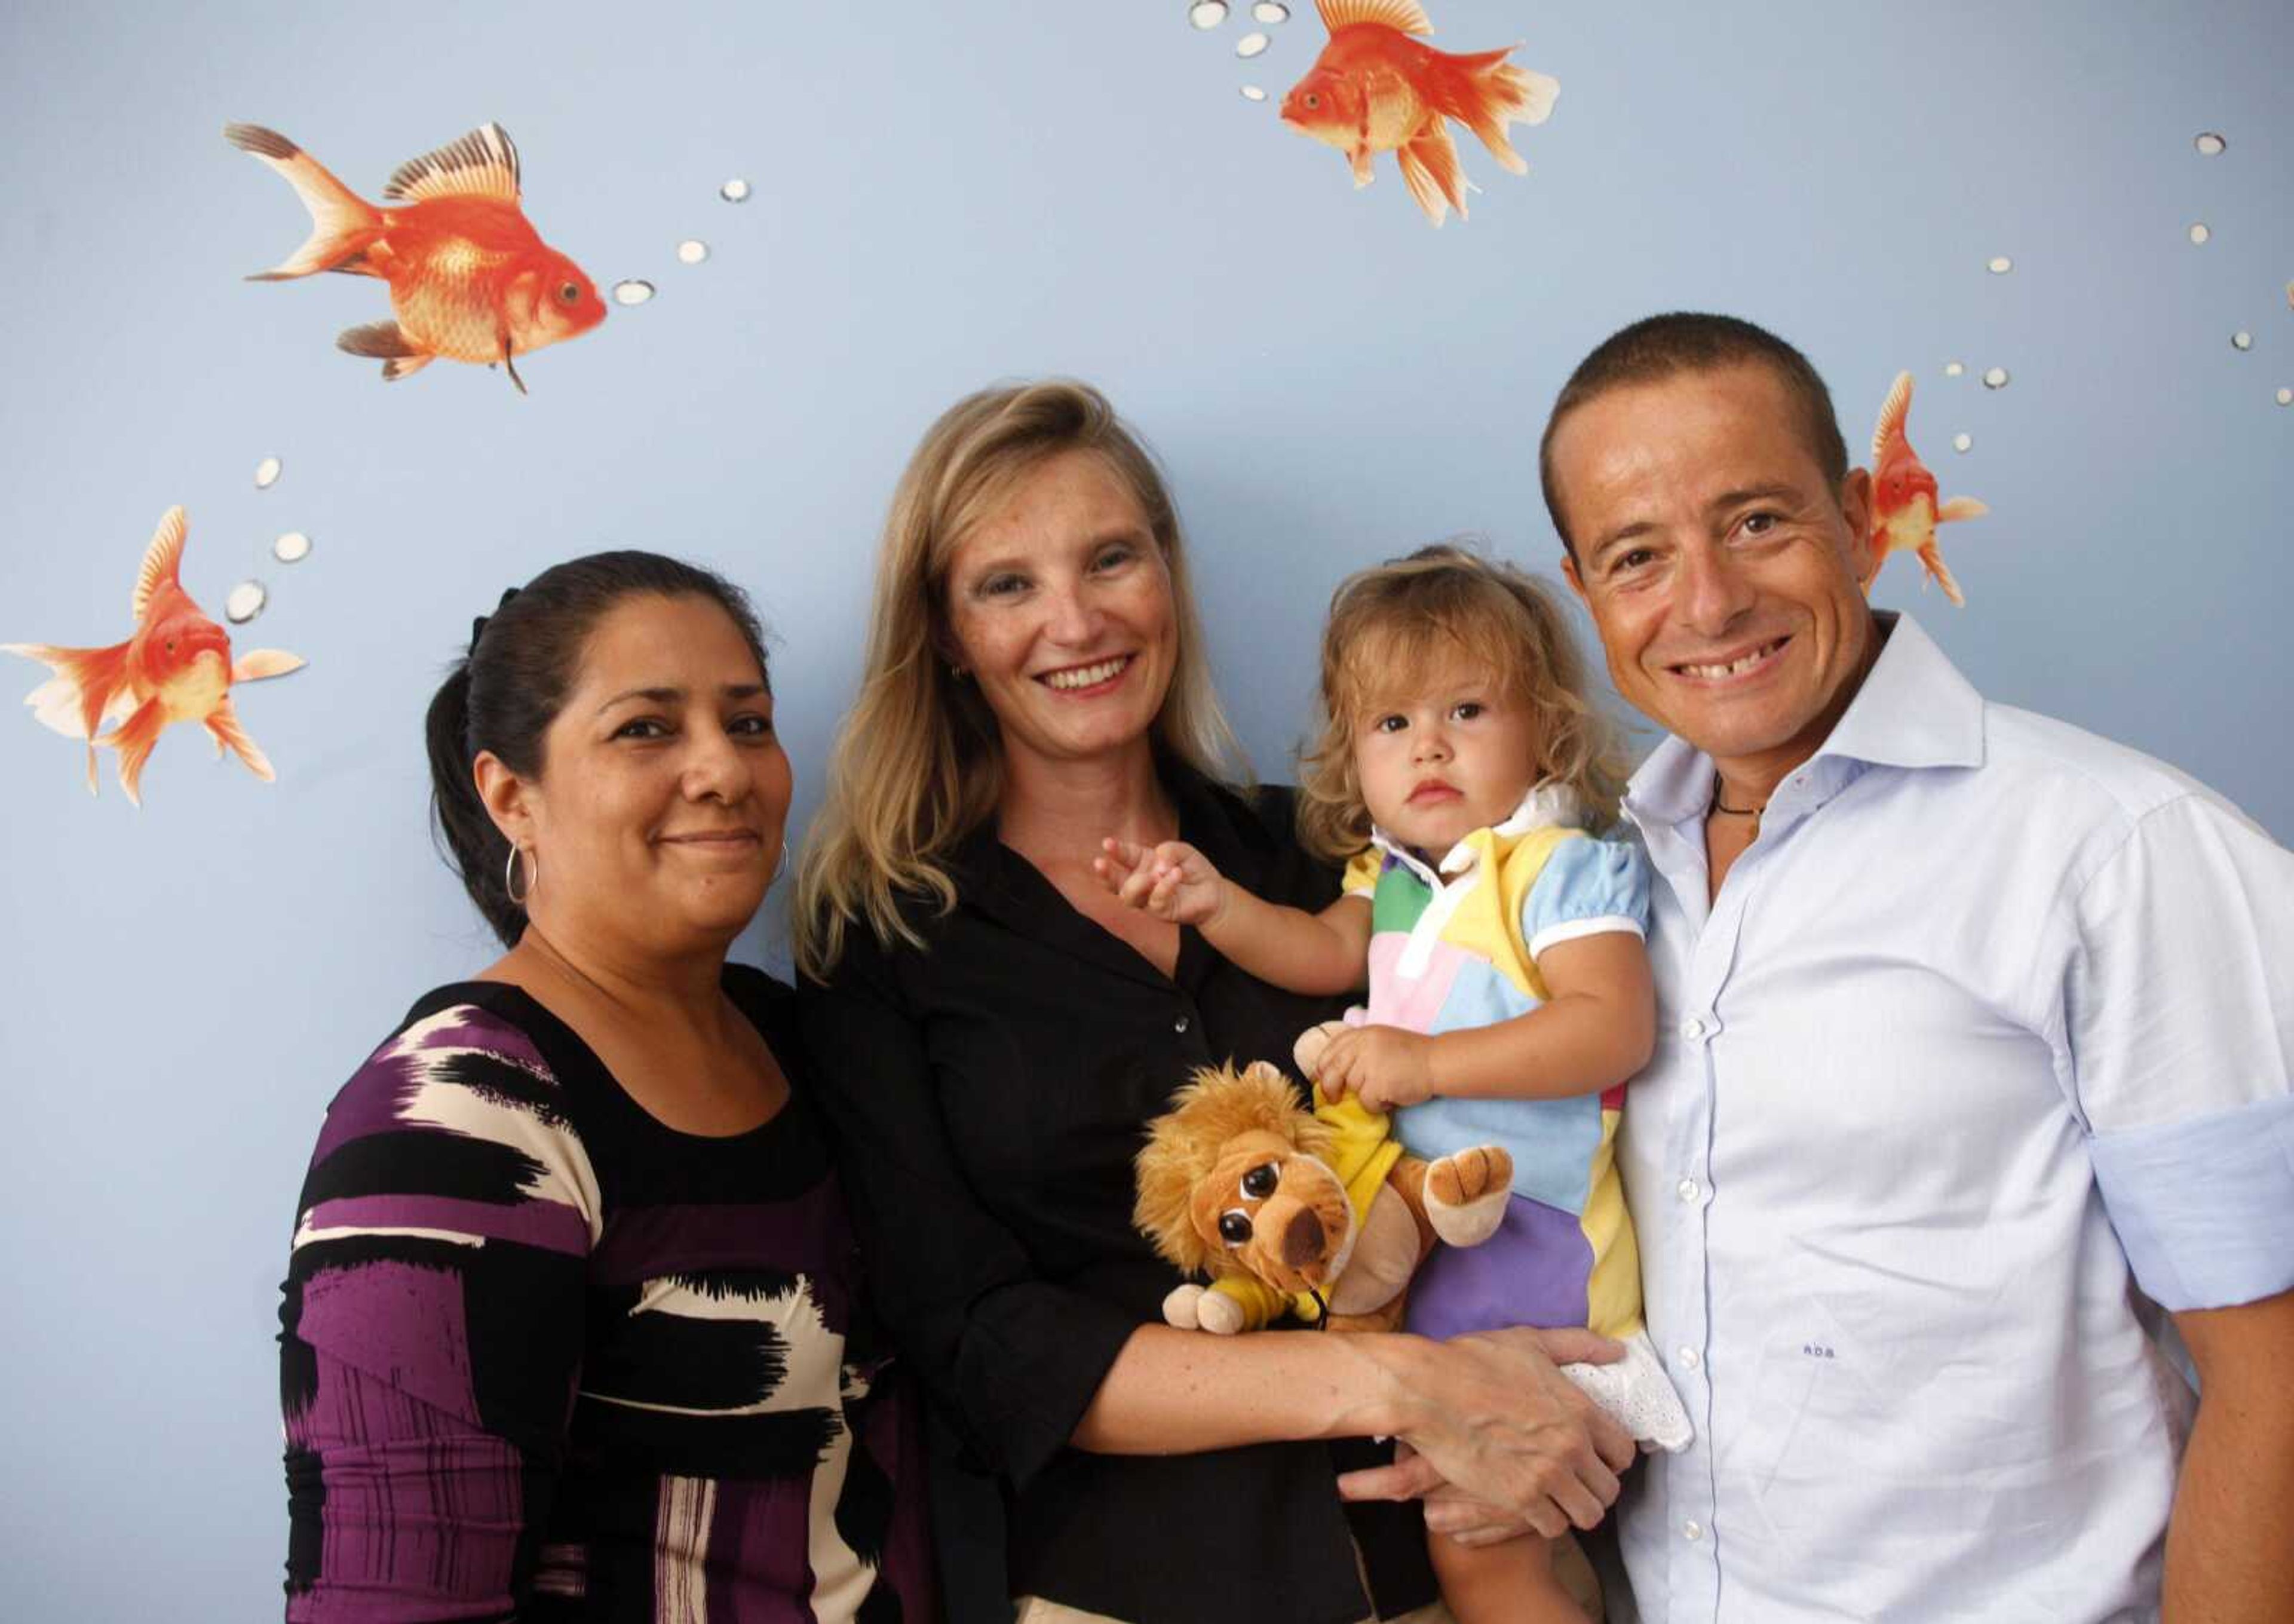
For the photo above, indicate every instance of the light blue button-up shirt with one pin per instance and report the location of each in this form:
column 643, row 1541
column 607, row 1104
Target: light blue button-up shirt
column 1982, row 1051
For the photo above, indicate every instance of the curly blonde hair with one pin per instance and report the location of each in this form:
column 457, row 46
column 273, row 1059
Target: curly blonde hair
column 919, row 762
column 1389, row 624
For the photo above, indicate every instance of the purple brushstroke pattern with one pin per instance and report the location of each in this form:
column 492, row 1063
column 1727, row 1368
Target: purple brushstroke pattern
column 402, row 1321
column 807, row 1234
column 551, row 1225
column 422, row 1511
column 419, row 1506
column 375, row 1100
column 758, row 1572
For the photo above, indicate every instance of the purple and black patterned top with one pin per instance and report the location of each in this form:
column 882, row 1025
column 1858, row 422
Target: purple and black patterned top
column 542, row 1356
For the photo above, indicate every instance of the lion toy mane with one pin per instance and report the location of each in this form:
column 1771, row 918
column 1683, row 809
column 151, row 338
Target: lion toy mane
column 1319, row 1213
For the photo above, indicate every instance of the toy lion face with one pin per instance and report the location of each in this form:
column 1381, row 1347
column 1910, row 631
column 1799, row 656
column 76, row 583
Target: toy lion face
column 1232, row 1180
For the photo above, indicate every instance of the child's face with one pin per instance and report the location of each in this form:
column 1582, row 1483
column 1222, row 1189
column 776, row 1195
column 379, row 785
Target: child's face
column 1455, row 754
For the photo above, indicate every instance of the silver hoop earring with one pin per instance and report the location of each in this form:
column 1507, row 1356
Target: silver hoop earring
column 509, row 879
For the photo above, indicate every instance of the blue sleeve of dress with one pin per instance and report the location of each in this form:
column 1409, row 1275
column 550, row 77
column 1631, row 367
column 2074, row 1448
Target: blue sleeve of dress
column 1587, row 888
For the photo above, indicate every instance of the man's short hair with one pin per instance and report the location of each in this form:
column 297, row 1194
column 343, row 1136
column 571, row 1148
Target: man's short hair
column 1658, row 347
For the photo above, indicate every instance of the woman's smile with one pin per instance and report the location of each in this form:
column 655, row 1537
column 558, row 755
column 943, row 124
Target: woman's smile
column 1088, row 681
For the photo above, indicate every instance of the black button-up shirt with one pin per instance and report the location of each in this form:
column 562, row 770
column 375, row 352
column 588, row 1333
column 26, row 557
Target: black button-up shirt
column 989, row 1093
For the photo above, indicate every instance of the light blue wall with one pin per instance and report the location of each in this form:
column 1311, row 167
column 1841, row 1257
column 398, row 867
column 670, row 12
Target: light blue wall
column 944, row 195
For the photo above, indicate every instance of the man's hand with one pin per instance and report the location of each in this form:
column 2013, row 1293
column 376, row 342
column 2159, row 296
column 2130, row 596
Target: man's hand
column 1384, row 1066
column 1172, row 881
column 1453, row 1512
column 1491, row 1415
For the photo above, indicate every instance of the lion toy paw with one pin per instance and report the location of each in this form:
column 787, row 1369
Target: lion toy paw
column 1465, row 1194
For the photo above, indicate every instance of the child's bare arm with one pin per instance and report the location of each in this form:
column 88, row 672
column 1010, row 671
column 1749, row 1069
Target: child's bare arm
column 1286, row 947
column 1597, row 1029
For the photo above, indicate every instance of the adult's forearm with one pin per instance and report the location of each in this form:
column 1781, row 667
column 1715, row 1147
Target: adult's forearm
column 1490, row 1414
column 2230, row 1545
column 1180, row 1393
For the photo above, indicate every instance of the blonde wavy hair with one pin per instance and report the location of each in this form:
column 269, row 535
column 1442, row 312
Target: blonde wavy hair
column 1390, row 625
column 919, row 762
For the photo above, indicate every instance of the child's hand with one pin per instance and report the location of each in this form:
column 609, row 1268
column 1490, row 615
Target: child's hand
column 1382, row 1066
column 1172, row 881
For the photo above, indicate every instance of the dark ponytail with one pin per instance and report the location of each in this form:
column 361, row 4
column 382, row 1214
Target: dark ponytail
column 523, row 660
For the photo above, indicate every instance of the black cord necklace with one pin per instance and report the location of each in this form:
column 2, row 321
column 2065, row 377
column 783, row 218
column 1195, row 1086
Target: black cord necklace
column 1720, row 806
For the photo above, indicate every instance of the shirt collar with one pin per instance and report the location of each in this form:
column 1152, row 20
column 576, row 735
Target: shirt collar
column 1914, row 710
column 1548, row 802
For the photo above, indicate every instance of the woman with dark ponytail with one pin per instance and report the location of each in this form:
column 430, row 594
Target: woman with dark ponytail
column 572, row 1328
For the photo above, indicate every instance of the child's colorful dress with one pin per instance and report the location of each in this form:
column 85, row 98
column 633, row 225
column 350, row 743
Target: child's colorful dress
column 1454, row 947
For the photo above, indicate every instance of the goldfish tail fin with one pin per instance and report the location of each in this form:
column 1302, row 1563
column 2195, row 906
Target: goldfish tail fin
column 163, row 561
column 134, row 739
column 223, row 723
column 1404, row 16
column 1429, row 168
column 342, row 222
column 257, row 663
column 1932, row 560
column 1893, row 412
column 89, row 687
column 1960, row 508
column 386, row 342
column 1486, row 93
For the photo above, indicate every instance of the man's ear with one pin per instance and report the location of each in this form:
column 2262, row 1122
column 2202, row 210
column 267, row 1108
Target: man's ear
column 1866, row 551
column 1569, row 574
column 507, row 798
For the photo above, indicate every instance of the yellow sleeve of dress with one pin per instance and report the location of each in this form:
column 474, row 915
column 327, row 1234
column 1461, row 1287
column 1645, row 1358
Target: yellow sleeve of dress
column 1361, row 874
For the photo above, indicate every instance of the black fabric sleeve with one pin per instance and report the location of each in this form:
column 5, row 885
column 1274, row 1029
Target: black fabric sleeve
column 1014, row 1359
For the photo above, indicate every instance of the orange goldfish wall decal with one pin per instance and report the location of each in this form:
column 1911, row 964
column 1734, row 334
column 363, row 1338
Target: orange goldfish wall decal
column 177, row 668
column 1904, row 510
column 470, row 278
column 1375, row 89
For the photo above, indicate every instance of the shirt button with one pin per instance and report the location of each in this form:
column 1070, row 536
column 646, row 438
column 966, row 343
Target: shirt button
column 1688, row 1191
column 1692, row 1530
column 1179, row 1024
column 1690, row 1359
column 1694, row 1029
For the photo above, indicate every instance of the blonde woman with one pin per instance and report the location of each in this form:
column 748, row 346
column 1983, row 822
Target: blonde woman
column 997, row 1028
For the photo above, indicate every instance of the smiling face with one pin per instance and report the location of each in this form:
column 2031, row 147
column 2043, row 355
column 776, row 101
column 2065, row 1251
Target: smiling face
column 1455, row 753
column 1721, row 567
column 658, row 815
column 1059, row 607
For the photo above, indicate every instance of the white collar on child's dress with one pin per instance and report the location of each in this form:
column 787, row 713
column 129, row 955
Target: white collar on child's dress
column 1549, row 803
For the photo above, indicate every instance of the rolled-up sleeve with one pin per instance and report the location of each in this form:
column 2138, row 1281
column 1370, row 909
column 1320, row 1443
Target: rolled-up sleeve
column 2179, row 1017
column 1014, row 1360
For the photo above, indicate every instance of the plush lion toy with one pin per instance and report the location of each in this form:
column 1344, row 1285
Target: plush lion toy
column 1319, row 1214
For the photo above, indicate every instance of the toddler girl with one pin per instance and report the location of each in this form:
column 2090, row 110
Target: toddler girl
column 1510, row 994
